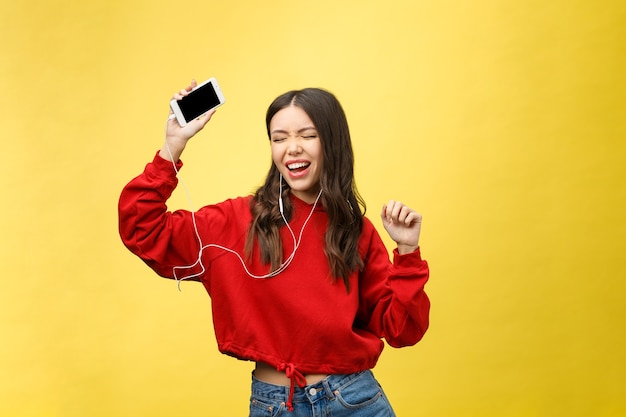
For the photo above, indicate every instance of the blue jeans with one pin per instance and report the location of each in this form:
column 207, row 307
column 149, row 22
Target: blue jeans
column 354, row 395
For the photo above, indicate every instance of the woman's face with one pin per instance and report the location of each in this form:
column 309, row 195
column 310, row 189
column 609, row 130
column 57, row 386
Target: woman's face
column 297, row 151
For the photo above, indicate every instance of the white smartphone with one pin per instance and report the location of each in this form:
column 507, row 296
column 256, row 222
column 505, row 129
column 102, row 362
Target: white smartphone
column 204, row 97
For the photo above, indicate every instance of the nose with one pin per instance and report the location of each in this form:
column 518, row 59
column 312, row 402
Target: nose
column 294, row 147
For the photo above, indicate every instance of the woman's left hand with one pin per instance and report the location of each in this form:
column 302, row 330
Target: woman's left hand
column 403, row 225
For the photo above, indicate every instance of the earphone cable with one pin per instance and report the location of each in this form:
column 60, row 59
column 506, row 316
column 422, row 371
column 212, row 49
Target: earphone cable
column 202, row 246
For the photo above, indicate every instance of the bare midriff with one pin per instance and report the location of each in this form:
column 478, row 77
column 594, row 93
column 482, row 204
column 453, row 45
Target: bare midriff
column 270, row 375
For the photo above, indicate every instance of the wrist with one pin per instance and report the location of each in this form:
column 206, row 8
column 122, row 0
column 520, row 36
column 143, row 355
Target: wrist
column 403, row 249
column 172, row 149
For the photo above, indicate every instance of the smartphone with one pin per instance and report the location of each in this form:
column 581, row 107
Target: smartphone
column 204, row 97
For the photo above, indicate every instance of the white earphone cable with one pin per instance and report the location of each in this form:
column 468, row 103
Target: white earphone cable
column 202, row 246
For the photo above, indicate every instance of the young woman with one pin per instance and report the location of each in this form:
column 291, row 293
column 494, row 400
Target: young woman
column 300, row 281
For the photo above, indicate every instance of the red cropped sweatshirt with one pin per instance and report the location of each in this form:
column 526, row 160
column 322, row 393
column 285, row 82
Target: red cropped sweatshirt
column 300, row 321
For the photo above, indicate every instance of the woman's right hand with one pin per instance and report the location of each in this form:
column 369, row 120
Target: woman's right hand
column 176, row 136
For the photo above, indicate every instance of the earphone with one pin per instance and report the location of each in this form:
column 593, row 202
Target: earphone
column 280, row 269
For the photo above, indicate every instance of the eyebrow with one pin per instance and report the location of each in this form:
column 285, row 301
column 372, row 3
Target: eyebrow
column 299, row 131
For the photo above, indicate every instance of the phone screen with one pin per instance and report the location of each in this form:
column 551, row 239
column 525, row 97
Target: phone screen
column 198, row 102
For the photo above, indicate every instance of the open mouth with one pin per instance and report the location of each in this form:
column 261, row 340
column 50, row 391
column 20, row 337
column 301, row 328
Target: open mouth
column 298, row 166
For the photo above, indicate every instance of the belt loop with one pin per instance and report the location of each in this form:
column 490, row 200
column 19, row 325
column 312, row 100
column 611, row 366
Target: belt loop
column 329, row 391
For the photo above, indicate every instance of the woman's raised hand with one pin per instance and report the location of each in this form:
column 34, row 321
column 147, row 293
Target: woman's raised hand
column 177, row 136
column 403, row 225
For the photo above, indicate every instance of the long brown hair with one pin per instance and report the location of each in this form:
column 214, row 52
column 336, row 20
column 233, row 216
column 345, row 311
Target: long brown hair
column 340, row 198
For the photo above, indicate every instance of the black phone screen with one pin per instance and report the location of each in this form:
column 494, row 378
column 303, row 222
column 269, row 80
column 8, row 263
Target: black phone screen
column 198, row 102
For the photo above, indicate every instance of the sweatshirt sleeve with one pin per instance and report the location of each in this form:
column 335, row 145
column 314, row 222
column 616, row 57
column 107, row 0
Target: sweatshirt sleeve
column 393, row 302
column 162, row 239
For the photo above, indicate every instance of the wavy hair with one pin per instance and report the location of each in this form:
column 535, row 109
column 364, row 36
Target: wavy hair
column 341, row 200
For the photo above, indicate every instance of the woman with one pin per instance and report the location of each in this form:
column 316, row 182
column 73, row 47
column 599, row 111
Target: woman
column 300, row 281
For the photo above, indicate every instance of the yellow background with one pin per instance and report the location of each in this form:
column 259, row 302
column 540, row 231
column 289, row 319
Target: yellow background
column 501, row 121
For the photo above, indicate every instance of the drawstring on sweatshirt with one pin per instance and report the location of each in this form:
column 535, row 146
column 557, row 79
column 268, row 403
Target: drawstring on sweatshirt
column 296, row 377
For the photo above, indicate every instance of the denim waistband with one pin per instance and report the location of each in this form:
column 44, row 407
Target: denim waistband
column 310, row 393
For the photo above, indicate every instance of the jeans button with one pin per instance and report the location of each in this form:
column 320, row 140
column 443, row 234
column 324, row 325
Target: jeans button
column 312, row 391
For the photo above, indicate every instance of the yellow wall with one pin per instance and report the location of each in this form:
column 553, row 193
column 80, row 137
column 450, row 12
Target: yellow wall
column 502, row 122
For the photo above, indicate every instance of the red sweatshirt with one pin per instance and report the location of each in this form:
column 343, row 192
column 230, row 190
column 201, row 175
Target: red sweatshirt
column 300, row 321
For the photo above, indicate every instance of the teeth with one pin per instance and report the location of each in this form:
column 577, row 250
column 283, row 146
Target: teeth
column 298, row 165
